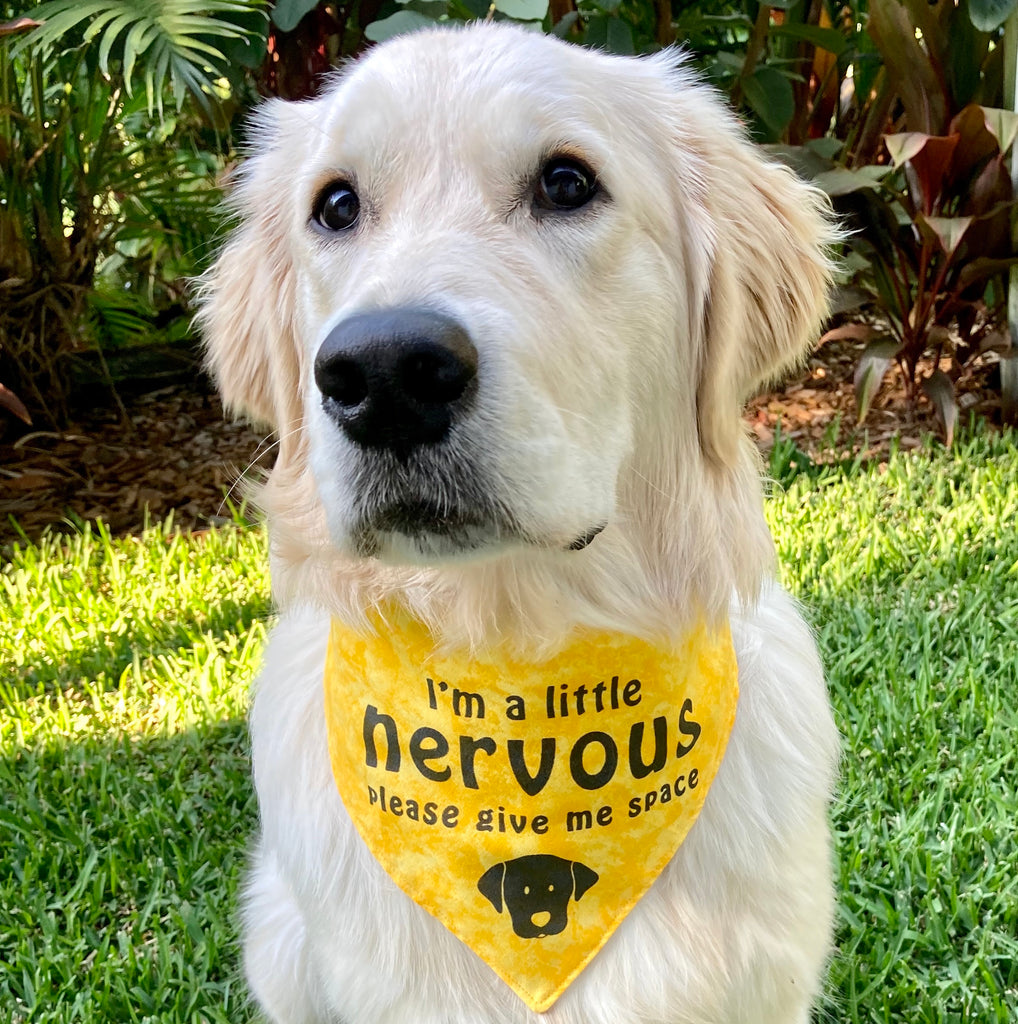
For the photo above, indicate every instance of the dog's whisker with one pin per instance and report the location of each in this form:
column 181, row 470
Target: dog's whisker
column 259, row 454
column 672, row 499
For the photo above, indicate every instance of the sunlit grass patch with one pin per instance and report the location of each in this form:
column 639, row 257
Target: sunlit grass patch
column 909, row 572
column 125, row 796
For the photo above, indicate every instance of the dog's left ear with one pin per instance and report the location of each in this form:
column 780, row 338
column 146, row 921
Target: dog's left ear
column 490, row 885
column 770, row 270
column 583, row 878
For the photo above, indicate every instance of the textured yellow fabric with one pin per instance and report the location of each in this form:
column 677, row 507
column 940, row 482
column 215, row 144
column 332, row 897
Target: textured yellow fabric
column 527, row 806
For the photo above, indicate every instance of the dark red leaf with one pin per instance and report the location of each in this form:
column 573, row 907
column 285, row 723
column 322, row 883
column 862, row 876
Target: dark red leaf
column 852, row 332
column 977, row 143
column 869, row 372
column 10, row 401
column 927, row 160
column 22, row 24
column 940, row 391
column 1009, row 386
column 947, row 232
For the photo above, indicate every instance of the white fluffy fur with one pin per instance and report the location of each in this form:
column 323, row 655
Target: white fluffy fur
column 616, row 350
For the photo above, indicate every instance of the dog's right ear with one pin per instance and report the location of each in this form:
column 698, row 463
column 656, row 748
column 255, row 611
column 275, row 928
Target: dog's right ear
column 247, row 299
column 755, row 245
column 490, row 885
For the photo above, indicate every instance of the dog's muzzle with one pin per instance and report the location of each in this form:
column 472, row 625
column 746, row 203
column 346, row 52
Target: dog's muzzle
column 397, row 379
column 397, row 382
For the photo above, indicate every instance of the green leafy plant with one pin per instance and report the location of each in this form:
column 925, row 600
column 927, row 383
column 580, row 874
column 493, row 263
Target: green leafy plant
column 781, row 63
column 931, row 246
column 303, row 39
column 96, row 175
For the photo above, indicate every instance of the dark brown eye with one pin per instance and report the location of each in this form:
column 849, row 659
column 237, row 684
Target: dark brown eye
column 337, row 207
column 565, row 185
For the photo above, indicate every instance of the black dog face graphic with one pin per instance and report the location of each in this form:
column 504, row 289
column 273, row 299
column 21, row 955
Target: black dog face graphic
column 536, row 891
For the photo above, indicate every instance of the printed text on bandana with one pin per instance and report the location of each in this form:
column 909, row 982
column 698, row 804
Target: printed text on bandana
column 528, row 807
column 591, row 762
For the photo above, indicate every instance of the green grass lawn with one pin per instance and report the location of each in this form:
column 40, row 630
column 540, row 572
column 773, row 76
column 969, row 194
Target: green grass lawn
column 125, row 800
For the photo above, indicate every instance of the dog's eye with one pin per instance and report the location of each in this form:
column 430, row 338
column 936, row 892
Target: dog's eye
column 565, row 185
column 337, row 207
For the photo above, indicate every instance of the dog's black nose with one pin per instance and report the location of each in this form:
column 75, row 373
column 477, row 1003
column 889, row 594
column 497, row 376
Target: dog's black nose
column 396, row 378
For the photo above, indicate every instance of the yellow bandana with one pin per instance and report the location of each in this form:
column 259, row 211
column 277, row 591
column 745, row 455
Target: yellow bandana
column 527, row 806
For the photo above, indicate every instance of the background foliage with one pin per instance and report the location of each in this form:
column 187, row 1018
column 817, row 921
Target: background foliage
column 111, row 120
column 117, row 116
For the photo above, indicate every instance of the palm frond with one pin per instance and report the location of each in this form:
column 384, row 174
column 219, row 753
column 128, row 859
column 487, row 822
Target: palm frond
column 173, row 42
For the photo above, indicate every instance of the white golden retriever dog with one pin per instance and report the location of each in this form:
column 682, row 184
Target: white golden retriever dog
column 502, row 299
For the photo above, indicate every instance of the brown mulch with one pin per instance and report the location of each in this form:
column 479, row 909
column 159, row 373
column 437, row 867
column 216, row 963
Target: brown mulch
column 816, row 407
column 176, row 453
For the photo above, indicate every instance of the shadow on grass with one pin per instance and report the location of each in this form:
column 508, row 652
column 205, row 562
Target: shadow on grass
column 120, row 860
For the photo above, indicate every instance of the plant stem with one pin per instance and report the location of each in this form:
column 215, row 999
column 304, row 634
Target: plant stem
column 753, row 50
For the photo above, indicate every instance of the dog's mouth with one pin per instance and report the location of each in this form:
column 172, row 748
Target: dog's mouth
column 418, row 516
column 429, row 529
column 438, row 506
column 423, row 531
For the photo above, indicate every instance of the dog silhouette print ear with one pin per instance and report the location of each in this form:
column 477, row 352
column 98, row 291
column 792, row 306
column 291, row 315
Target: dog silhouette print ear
column 583, row 878
column 490, row 885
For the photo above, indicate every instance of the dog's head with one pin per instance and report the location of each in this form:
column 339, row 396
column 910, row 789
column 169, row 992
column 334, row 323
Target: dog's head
column 536, row 891
column 503, row 297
